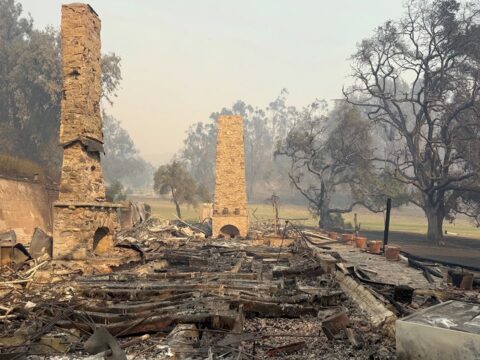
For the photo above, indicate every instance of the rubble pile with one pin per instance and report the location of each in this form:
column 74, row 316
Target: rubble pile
column 194, row 298
column 296, row 295
column 156, row 232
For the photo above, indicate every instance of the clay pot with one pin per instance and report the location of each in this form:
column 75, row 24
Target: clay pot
column 375, row 246
column 392, row 253
column 467, row 281
column 361, row 242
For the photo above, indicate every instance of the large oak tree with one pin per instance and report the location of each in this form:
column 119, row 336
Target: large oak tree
column 420, row 78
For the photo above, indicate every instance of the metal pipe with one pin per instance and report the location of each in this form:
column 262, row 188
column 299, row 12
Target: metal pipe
column 387, row 223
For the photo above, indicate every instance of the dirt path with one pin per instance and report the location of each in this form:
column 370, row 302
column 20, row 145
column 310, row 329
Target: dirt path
column 459, row 250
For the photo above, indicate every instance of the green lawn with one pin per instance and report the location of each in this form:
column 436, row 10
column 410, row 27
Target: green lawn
column 410, row 219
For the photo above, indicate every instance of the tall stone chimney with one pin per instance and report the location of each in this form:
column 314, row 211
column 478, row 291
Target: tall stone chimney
column 83, row 221
column 81, row 123
column 230, row 216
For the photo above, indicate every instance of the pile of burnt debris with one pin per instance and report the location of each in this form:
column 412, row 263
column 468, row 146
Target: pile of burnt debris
column 182, row 295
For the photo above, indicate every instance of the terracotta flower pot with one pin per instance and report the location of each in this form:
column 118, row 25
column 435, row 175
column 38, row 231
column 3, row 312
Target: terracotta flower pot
column 392, row 253
column 375, row 246
column 361, row 242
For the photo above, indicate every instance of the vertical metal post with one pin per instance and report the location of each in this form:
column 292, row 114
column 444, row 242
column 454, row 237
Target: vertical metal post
column 355, row 224
column 387, row 223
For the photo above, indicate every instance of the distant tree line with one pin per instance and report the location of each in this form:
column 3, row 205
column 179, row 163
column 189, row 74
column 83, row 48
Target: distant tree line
column 122, row 161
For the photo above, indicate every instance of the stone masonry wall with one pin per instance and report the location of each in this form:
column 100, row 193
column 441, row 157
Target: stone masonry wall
column 75, row 227
column 82, row 178
column 230, row 200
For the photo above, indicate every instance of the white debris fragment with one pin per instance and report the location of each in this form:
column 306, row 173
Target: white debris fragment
column 29, row 305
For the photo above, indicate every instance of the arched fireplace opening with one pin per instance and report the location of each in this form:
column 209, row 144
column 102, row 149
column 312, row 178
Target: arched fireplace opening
column 230, row 231
column 102, row 240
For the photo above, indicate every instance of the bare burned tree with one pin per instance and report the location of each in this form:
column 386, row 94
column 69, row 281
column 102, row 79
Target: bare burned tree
column 420, row 77
column 330, row 154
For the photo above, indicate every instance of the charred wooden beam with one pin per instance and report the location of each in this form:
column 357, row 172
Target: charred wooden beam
column 162, row 323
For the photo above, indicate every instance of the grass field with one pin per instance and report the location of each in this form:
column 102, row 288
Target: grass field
column 409, row 219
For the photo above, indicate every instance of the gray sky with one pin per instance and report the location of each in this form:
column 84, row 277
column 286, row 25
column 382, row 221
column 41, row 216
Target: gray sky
column 185, row 59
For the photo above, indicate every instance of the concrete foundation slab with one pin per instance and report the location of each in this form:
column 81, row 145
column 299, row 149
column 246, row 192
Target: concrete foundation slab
column 448, row 331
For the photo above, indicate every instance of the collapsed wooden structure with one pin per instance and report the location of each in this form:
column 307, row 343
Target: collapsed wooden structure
column 180, row 295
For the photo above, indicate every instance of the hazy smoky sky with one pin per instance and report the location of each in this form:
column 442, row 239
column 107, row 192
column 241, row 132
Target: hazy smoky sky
column 183, row 60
